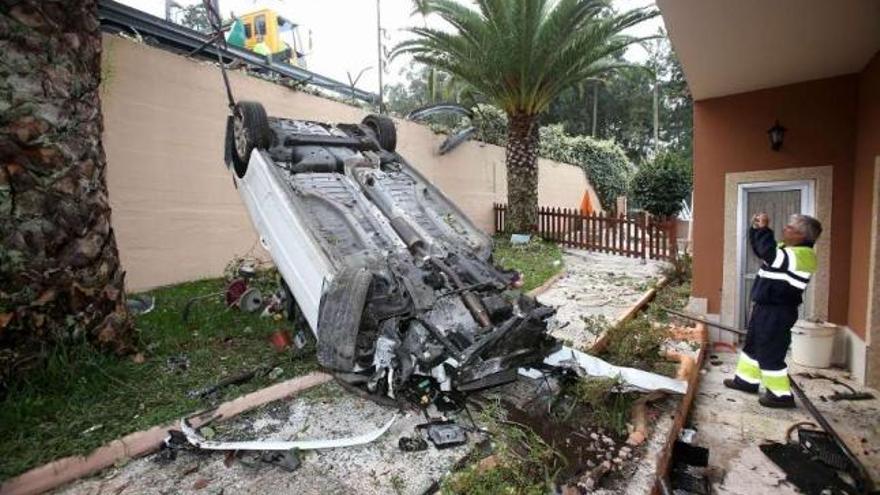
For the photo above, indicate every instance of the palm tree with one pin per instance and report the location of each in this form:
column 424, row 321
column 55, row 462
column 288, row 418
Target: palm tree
column 60, row 275
column 519, row 55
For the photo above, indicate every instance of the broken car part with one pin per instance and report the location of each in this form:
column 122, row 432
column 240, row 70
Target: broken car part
column 439, row 108
column 193, row 437
column 444, row 434
column 586, row 365
column 856, row 469
column 452, row 141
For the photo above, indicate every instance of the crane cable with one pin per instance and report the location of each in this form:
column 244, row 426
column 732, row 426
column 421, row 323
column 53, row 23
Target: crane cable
column 220, row 46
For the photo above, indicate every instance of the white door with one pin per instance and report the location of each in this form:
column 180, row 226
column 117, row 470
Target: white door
column 779, row 200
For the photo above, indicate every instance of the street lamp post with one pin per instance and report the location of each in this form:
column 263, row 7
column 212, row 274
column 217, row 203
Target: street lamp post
column 381, row 65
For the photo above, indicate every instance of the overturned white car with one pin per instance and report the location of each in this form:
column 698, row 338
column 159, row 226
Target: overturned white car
column 393, row 279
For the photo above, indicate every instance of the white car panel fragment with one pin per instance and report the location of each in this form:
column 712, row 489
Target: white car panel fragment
column 201, row 442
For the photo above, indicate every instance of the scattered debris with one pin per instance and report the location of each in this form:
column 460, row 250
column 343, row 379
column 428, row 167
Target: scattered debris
column 140, row 304
column 850, row 394
column 520, row 239
column 231, row 380
column 280, row 339
column 286, row 460
column 412, row 444
column 177, row 364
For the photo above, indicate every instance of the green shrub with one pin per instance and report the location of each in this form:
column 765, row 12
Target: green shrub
column 660, row 185
column 604, row 162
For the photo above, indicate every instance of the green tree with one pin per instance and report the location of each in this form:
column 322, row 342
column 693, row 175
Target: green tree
column 624, row 106
column 195, row 17
column 60, row 276
column 519, row 55
column 660, row 185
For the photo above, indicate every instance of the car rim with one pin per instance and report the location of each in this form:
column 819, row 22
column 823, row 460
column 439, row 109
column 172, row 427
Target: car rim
column 241, row 142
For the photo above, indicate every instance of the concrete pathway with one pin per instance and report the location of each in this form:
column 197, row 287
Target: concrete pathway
column 732, row 424
column 596, row 284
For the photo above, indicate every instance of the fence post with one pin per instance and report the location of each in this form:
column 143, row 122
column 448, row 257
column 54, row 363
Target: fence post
column 641, row 235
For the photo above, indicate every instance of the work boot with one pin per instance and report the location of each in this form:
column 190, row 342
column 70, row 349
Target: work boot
column 738, row 383
column 769, row 399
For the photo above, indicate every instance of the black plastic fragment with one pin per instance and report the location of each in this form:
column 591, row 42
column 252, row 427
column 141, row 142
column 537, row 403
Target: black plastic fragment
column 412, row 444
column 288, row 461
column 444, row 434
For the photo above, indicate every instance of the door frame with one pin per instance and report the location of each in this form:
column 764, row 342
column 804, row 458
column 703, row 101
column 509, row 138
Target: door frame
column 729, row 297
column 807, row 188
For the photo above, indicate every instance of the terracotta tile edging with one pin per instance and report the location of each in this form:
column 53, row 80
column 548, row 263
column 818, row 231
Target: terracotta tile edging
column 537, row 291
column 58, row 472
column 664, row 462
column 600, row 343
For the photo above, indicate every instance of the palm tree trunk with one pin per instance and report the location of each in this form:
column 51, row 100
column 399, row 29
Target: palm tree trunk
column 60, row 276
column 522, row 173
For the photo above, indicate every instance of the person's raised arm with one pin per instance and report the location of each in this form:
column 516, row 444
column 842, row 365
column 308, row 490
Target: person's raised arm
column 761, row 238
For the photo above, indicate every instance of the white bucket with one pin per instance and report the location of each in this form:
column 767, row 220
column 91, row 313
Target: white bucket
column 812, row 343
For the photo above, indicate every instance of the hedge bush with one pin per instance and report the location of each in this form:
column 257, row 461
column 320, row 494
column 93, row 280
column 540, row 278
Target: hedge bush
column 661, row 184
column 604, row 162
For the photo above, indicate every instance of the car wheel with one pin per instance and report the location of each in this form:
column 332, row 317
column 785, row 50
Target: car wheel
column 383, row 129
column 250, row 130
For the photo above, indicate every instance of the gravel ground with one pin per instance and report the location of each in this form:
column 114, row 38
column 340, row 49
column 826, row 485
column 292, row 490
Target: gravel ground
column 323, row 412
column 596, row 284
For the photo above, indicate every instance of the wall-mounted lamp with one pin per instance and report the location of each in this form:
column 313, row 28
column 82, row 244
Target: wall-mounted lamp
column 776, row 134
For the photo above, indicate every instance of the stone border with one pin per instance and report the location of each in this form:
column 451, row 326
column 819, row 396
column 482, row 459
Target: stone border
column 58, row 472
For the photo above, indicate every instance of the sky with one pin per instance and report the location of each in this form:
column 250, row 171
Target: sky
column 343, row 32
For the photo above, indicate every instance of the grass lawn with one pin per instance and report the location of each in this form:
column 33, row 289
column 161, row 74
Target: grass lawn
column 537, row 260
column 81, row 399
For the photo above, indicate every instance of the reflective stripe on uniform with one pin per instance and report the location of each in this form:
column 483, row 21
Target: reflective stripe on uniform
column 801, row 261
column 785, row 277
column 747, row 369
column 779, row 260
column 776, row 381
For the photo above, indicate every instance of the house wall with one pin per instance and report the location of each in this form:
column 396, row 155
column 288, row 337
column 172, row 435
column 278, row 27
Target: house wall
column 730, row 136
column 864, row 288
column 866, row 151
column 176, row 214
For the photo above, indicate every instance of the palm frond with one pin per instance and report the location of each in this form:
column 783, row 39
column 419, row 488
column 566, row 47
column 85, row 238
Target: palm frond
column 520, row 54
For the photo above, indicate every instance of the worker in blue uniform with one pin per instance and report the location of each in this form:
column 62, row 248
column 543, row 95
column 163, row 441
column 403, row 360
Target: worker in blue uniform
column 778, row 290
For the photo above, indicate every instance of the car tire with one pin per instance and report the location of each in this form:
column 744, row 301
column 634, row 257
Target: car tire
column 383, row 129
column 250, row 131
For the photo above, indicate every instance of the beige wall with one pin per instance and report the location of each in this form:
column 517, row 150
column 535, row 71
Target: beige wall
column 176, row 214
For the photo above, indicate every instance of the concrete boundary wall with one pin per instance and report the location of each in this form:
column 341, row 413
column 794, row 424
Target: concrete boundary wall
column 176, row 213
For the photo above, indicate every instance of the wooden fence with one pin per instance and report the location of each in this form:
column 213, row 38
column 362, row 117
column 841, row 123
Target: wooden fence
column 637, row 236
